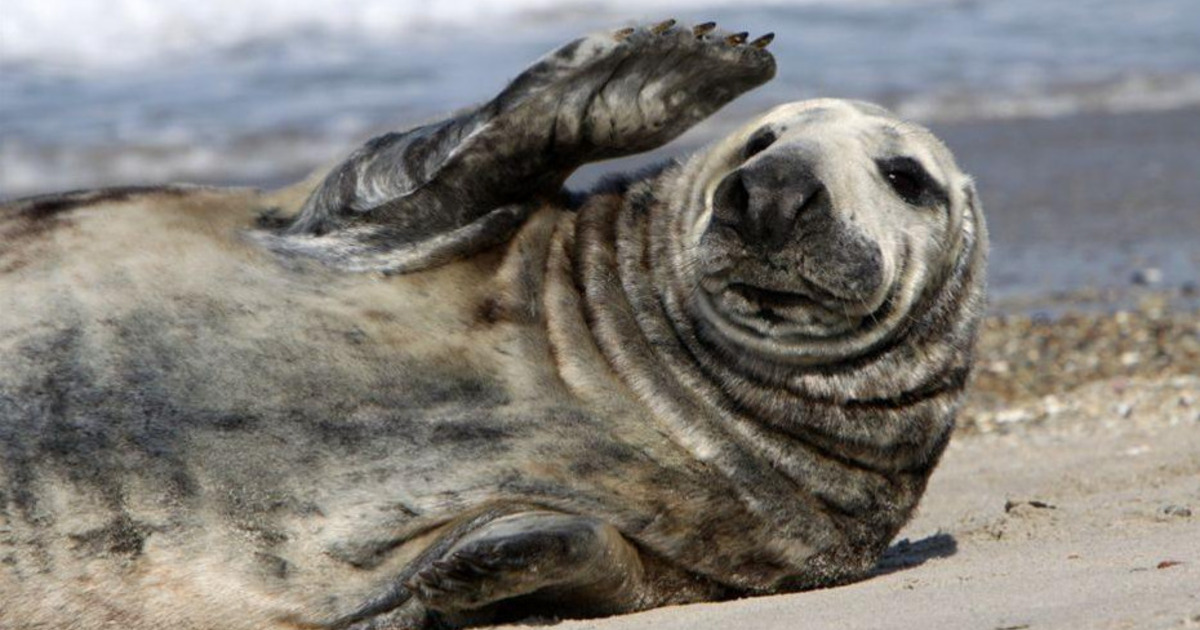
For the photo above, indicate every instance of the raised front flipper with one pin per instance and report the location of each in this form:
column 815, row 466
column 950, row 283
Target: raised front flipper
column 596, row 98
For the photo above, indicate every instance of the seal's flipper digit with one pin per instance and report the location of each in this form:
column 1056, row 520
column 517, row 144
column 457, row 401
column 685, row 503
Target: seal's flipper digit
column 578, row 562
column 763, row 41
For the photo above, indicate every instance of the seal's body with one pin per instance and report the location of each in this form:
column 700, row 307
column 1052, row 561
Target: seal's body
column 428, row 389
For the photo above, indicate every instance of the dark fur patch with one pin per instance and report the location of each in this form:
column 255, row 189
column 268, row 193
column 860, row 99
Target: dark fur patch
column 462, row 392
column 567, row 52
column 22, row 236
column 47, row 206
column 376, row 315
column 619, row 183
column 272, row 219
column 272, row 565
column 952, row 384
column 605, row 456
column 233, row 421
column 30, row 219
column 25, row 228
column 123, row 536
column 490, row 311
column 468, row 431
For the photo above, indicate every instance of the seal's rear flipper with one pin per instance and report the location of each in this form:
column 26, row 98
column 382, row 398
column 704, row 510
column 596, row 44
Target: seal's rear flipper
column 533, row 563
column 599, row 97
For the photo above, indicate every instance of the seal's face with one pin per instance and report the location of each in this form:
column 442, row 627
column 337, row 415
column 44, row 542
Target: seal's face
column 819, row 226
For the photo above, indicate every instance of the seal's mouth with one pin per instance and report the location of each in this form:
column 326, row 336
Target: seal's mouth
column 776, row 312
column 775, row 306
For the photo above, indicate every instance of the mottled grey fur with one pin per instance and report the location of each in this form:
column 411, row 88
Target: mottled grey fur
column 730, row 376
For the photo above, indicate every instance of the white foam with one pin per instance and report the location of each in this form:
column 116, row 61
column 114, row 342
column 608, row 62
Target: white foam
column 233, row 90
column 1131, row 93
column 119, row 33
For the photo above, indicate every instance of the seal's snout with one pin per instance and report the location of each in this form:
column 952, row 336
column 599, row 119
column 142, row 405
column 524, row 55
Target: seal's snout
column 777, row 228
column 764, row 200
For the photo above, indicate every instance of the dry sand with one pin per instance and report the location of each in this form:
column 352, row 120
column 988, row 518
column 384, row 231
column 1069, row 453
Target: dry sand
column 1069, row 498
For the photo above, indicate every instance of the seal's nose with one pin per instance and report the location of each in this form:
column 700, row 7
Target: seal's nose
column 764, row 200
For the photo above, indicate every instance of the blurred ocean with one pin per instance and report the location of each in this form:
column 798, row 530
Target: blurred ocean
column 96, row 92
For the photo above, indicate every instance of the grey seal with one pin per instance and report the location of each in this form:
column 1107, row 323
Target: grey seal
column 429, row 388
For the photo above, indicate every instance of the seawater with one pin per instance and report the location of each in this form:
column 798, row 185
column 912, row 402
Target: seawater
column 98, row 92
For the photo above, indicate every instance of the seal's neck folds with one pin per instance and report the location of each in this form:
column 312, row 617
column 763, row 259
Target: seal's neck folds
column 840, row 450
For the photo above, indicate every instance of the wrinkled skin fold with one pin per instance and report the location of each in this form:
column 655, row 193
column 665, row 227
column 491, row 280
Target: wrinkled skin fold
column 430, row 389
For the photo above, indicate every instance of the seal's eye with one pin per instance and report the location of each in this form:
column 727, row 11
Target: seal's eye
column 761, row 139
column 908, row 187
column 911, row 181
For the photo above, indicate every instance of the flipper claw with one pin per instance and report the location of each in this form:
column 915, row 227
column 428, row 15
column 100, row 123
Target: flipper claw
column 700, row 30
column 764, row 41
column 737, row 39
column 663, row 27
column 623, row 33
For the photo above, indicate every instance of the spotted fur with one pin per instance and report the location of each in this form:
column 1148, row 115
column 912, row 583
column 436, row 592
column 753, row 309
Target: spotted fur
column 421, row 391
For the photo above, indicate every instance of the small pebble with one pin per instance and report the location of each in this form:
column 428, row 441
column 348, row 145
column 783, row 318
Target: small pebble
column 1011, row 505
column 1053, row 405
column 1013, row 416
column 1182, row 511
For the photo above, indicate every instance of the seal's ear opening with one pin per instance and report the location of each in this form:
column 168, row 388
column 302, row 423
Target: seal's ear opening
column 974, row 225
column 971, row 199
column 965, row 282
column 968, row 224
column 965, row 251
column 978, row 227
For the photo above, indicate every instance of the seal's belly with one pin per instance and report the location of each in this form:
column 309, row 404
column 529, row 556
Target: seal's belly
column 175, row 401
column 174, row 302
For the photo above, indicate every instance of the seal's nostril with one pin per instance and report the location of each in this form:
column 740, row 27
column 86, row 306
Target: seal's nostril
column 810, row 201
column 739, row 197
column 799, row 201
column 731, row 202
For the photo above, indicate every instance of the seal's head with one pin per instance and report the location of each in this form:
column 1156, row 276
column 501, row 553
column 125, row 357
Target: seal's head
column 813, row 233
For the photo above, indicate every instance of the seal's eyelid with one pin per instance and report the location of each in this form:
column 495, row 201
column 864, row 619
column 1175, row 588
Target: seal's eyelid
column 912, row 182
column 759, row 141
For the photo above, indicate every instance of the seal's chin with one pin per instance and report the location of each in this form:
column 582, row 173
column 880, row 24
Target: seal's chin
column 780, row 313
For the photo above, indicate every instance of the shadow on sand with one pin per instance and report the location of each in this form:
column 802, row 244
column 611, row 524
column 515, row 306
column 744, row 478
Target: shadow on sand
column 905, row 554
